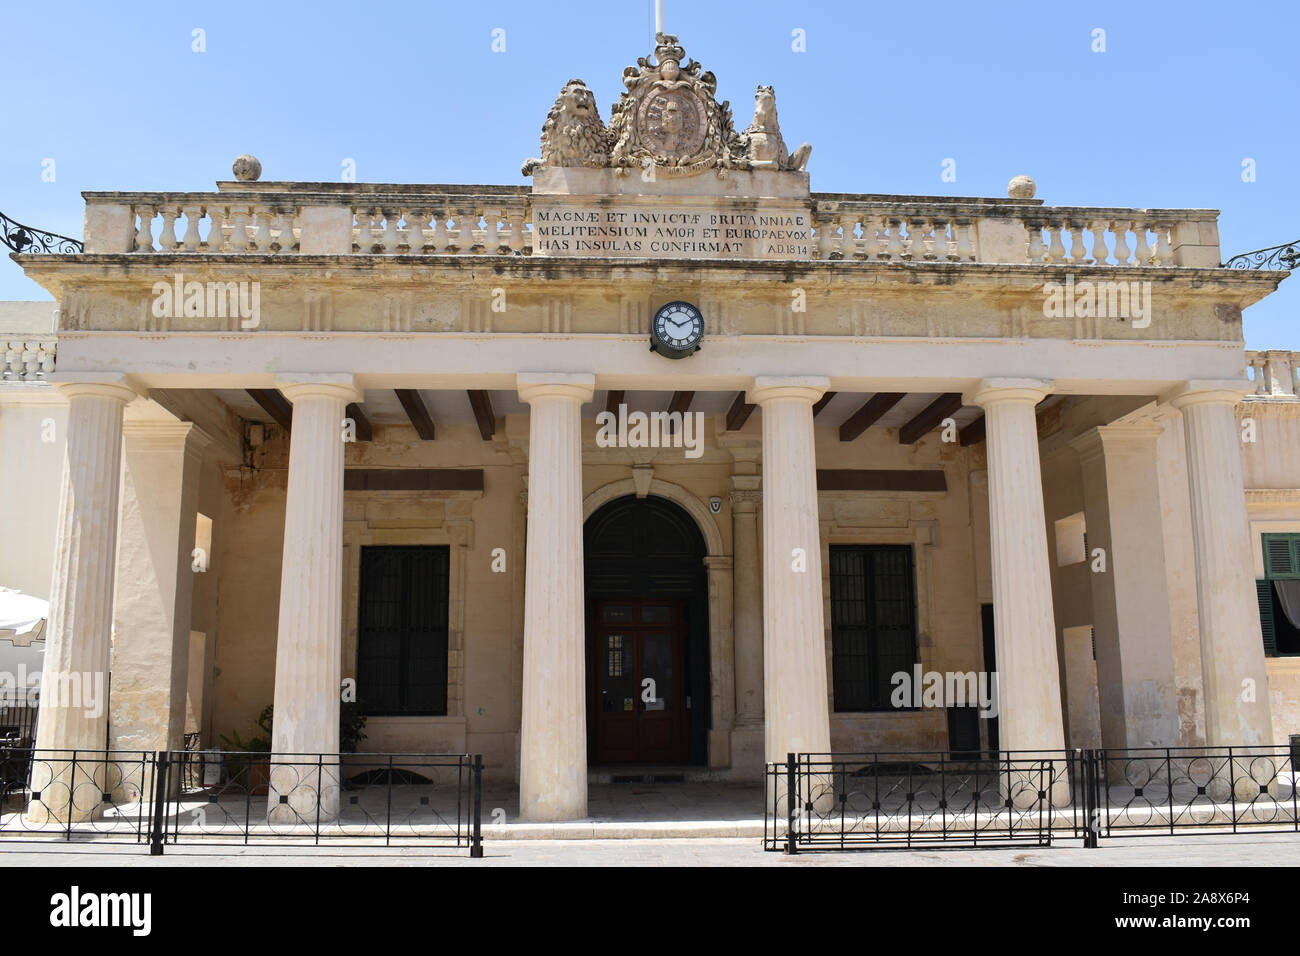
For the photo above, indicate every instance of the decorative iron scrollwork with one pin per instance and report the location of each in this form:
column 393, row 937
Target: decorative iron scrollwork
column 1285, row 256
column 25, row 239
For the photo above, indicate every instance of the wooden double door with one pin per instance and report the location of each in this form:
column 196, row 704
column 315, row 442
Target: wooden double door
column 638, row 686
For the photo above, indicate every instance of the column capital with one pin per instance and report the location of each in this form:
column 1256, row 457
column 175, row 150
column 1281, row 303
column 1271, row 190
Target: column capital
column 337, row 385
column 994, row 391
column 746, row 492
column 806, row 388
column 534, row 385
column 95, row 385
column 1213, row 391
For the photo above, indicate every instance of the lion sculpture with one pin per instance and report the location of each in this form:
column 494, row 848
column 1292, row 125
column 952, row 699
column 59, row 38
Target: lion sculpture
column 573, row 134
column 762, row 144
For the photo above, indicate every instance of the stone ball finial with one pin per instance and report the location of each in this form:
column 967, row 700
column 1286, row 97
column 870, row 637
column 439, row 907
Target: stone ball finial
column 1021, row 187
column 247, row 169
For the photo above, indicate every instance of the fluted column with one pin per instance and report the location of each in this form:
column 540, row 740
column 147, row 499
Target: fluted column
column 74, row 684
column 748, row 589
column 796, row 701
column 1232, row 652
column 1029, row 687
column 309, row 639
column 553, row 726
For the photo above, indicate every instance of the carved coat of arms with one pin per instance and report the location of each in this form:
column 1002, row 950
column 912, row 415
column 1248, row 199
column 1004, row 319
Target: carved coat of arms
column 668, row 120
column 669, row 117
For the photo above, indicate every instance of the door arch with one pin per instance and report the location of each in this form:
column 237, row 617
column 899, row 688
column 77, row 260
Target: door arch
column 647, row 616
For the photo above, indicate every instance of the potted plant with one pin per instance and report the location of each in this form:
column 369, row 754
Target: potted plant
column 245, row 764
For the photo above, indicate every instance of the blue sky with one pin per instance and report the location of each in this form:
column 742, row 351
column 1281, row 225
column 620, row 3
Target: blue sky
column 413, row 92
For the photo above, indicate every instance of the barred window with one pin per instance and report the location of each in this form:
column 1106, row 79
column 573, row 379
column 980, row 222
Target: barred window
column 873, row 623
column 402, row 631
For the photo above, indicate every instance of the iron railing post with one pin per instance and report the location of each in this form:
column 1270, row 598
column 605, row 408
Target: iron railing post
column 158, row 818
column 476, row 841
column 791, row 804
column 72, row 795
column 1092, row 785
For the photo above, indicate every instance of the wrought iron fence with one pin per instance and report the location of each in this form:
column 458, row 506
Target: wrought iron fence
column 1163, row 791
column 866, row 800
column 76, row 795
column 245, row 798
column 859, row 801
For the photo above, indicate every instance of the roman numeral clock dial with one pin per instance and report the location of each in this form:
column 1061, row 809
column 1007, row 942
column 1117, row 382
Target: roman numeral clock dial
column 677, row 330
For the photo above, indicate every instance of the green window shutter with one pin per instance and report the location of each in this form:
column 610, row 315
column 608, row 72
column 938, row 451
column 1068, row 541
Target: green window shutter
column 1264, row 592
column 1280, row 556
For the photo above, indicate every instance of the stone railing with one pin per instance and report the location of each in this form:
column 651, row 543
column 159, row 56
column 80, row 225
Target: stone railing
column 397, row 221
column 281, row 219
column 1274, row 373
column 1012, row 233
column 26, row 358
column 845, row 229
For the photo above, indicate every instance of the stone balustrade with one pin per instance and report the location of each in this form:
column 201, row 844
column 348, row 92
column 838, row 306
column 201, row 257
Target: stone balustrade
column 1274, row 373
column 26, row 359
column 279, row 219
column 892, row 232
column 215, row 227
column 456, row 228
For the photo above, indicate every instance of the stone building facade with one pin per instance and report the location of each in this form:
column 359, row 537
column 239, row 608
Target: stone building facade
column 312, row 432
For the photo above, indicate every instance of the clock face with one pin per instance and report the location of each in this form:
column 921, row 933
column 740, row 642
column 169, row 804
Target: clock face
column 677, row 329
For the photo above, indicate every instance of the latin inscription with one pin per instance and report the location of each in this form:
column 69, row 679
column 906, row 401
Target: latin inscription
column 670, row 233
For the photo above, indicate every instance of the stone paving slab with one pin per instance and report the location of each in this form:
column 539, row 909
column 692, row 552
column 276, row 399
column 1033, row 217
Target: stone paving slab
column 1279, row 850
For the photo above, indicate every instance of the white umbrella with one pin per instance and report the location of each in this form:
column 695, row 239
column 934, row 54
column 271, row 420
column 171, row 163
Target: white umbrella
column 22, row 617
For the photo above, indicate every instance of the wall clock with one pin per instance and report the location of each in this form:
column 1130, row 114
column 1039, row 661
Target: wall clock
column 676, row 330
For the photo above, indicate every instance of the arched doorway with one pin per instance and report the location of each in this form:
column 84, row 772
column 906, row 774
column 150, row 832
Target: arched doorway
column 647, row 618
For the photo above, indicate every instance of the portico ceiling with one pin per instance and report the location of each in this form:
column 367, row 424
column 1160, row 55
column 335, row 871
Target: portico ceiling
column 453, row 407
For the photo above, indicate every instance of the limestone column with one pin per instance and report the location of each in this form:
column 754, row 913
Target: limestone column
column 1029, row 686
column 1232, row 651
column 1135, row 657
column 722, row 652
column 747, row 599
column 74, row 715
column 308, row 646
column 797, row 703
column 553, row 725
column 155, row 583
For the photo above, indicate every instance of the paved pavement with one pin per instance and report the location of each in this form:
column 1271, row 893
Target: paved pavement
column 1186, row 851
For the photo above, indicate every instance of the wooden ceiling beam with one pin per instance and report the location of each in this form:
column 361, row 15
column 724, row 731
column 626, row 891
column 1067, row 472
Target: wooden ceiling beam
column 274, row 404
column 365, row 432
column 681, row 402
column 972, row 434
column 739, row 413
column 416, row 411
column 869, row 414
column 481, row 402
column 942, row 407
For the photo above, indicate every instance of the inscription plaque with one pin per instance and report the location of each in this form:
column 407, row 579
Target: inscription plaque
column 665, row 230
